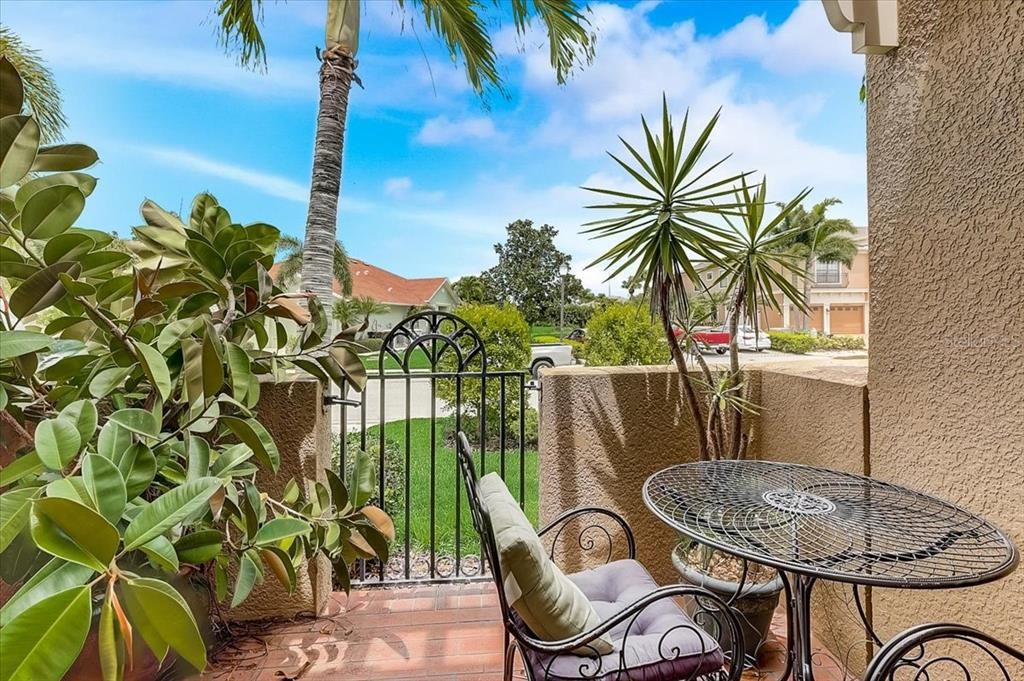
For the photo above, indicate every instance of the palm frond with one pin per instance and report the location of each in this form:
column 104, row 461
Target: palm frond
column 41, row 92
column 569, row 42
column 461, row 26
column 239, row 31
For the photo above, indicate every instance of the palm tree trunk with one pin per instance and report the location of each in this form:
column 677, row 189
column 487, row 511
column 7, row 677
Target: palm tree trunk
column 734, row 367
column 808, row 273
column 336, row 74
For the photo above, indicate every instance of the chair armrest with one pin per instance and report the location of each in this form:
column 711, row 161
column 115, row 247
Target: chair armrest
column 909, row 651
column 708, row 605
column 587, row 543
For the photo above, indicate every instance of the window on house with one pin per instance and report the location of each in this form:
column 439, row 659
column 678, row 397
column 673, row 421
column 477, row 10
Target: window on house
column 827, row 273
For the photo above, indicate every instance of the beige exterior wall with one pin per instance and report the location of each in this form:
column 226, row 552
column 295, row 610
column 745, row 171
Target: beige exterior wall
column 945, row 177
column 605, row 430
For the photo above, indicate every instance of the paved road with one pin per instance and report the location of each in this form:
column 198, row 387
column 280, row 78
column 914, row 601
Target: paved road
column 395, row 403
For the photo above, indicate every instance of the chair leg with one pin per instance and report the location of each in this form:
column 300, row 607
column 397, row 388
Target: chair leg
column 510, row 657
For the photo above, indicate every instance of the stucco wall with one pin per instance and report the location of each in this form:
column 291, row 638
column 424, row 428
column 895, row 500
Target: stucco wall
column 293, row 413
column 945, row 181
column 603, row 432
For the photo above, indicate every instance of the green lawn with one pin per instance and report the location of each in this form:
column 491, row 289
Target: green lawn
column 538, row 330
column 445, row 479
column 418, row 360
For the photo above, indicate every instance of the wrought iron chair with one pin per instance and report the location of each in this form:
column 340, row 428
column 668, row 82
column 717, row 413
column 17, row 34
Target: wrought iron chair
column 653, row 638
column 945, row 652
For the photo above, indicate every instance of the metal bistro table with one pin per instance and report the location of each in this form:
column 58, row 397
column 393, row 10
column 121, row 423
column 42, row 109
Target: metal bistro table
column 813, row 523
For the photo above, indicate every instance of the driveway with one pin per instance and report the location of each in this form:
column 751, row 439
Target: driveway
column 395, row 403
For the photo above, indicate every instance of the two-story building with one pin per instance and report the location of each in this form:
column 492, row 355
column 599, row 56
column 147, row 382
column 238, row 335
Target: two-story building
column 839, row 302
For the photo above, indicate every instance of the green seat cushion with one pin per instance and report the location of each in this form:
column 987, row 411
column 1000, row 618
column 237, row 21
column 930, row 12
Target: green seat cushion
column 547, row 601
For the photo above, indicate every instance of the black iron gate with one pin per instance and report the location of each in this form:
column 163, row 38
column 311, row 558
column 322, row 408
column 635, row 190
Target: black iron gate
column 433, row 380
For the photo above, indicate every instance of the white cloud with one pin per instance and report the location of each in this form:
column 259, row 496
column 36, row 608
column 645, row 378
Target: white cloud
column 804, row 42
column 441, row 130
column 402, row 188
column 274, row 185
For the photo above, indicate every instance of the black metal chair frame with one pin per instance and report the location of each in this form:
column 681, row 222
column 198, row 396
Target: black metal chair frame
column 517, row 637
column 906, row 657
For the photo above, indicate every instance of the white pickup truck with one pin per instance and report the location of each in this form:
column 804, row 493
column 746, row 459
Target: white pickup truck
column 547, row 355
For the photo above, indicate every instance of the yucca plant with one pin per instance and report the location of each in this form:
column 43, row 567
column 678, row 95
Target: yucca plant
column 677, row 222
column 130, row 380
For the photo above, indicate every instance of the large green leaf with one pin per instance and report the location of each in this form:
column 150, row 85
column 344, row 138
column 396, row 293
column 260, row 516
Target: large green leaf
column 19, row 141
column 74, row 532
column 243, row 383
column 143, row 622
column 198, row 456
column 105, row 486
column 175, row 331
column 57, row 575
column 108, row 380
column 256, row 437
column 169, row 616
column 213, row 365
column 57, row 442
column 102, row 263
column 83, row 416
column 85, row 183
column 17, row 343
column 42, row 289
column 52, row 211
column 362, row 483
column 207, row 256
column 138, row 421
column 64, row 157
column 44, row 640
column 113, row 441
column 169, row 509
column 22, row 467
column 72, row 488
column 107, row 637
column 280, row 528
column 12, row 91
column 138, row 466
column 70, row 246
column 15, row 506
column 155, row 366
column 199, row 547
column 248, row 572
column 161, row 553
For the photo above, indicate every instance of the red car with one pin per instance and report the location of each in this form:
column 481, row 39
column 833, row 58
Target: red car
column 709, row 339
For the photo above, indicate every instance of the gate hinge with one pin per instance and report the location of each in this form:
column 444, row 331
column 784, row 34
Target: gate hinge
column 334, row 399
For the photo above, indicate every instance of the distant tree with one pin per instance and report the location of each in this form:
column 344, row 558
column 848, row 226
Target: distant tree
column 291, row 263
column 528, row 271
column 345, row 313
column 41, row 92
column 473, row 289
column 366, row 307
column 625, row 334
column 818, row 238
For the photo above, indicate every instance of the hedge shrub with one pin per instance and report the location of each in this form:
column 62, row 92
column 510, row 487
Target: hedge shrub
column 625, row 334
column 795, row 342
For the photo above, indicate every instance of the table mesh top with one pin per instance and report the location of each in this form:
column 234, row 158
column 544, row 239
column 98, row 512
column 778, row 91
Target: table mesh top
column 836, row 525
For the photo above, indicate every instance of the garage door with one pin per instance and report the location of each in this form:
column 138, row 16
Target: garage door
column 847, row 319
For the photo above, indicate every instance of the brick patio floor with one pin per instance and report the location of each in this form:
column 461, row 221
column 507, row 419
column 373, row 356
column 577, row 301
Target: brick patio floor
column 425, row 632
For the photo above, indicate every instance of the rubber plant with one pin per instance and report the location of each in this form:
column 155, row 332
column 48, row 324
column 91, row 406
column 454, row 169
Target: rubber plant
column 131, row 371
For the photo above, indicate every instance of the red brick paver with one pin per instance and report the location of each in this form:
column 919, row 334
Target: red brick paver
column 435, row 632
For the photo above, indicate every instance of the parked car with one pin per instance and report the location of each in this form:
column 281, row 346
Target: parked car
column 709, row 338
column 751, row 340
column 577, row 335
column 547, row 355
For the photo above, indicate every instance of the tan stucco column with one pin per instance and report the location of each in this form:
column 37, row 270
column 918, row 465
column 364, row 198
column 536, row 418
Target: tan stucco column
column 293, row 412
column 946, row 373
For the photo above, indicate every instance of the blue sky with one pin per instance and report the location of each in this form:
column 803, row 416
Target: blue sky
column 431, row 173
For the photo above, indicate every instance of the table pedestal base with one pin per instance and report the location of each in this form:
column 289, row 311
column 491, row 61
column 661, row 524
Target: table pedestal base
column 798, row 611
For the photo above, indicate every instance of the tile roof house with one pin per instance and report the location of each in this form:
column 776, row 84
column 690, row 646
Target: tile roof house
column 399, row 294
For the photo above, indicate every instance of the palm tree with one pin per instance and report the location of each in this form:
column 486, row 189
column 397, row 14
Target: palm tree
column 365, row 307
column 815, row 237
column 463, row 28
column 290, row 265
column 41, row 92
column 345, row 313
column 668, row 227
